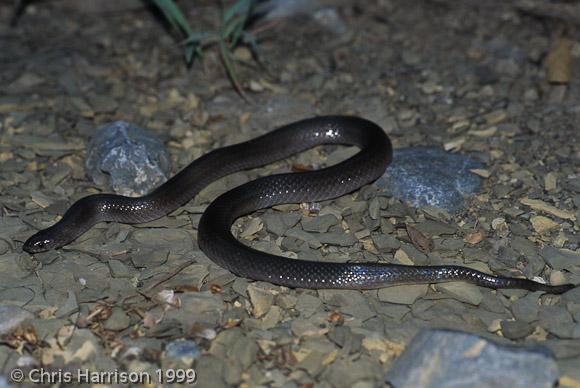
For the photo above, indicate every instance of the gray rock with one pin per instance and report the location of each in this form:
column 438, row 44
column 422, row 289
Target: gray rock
column 127, row 159
column 564, row 329
column 279, row 222
column 346, row 372
column 432, row 228
column 385, row 242
column 12, row 317
column 406, row 294
column 551, row 315
column 119, row 320
column 425, row 176
column 307, row 305
column 312, row 240
column 444, row 358
column 317, row 351
column 465, row 292
column 261, row 299
column 210, row 371
column 526, row 308
column 202, row 307
column 319, row 224
column 516, row 329
column 560, row 258
column 337, row 238
column 71, row 306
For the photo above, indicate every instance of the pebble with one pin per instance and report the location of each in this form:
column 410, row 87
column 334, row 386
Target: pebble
column 526, row 308
column 465, row 292
column 543, row 224
column 307, row 305
column 279, row 222
column 405, row 294
column 308, row 328
column 119, row 320
column 261, row 299
column 385, row 242
column 516, row 329
column 433, row 228
column 345, row 372
column 559, row 259
column 319, row 224
column 202, row 307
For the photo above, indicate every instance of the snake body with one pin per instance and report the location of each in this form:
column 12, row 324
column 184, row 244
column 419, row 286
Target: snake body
column 214, row 231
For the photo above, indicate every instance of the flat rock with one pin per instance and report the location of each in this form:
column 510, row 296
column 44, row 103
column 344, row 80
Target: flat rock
column 527, row 307
column 261, row 299
column 465, row 292
column 279, row 222
column 516, row 329
column 560, row 258
column 319, row 224
column 119, row 320
column 405, row 294
column 307, row 305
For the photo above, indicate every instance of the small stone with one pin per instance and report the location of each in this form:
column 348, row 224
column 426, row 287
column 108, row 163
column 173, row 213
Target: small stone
column 526, row 308
column 261, row 299
column 560, row 259
column 385, row 242
column 119, row 320
column 346, row 372
column 251, row 228
column 435, row 228
column 319, row 224
column 543, row 224
column 337, row 238
column 405, row 294
column 550, row 181
column 307, row 305
column 539, row 205
column 307, row 328
column 279, row 222
column 384, row 349
column 468, row 293
column 516, row 329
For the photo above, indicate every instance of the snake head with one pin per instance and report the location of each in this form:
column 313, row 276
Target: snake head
column 40, row 242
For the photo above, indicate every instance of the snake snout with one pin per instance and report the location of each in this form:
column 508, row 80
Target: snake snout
column 39, row 243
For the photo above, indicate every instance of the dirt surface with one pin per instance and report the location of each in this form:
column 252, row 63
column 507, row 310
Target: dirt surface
column 470, row 78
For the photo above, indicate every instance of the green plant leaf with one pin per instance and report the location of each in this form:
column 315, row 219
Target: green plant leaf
column 174, row 16
column 237, row 7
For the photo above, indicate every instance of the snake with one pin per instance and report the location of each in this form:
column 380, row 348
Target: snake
column 214, row 234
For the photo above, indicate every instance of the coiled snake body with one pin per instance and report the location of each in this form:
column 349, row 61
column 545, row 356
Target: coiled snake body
column 214, row 231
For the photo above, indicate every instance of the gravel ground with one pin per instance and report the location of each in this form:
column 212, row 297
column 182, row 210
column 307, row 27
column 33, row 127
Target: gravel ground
column 467, row 77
